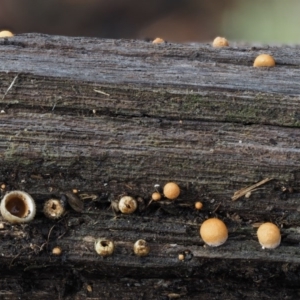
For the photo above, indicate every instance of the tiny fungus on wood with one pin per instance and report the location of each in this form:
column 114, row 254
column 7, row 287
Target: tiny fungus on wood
column 53, row 209
column 264, row 60
column 141, row 248
column 156, row 196
column 198, row 205
column 171, row 190
column 268, row 235
column 104, row 247
column 220, row 42
column 18, row 207
column 56, row 251
column 127, row 205
column 181, row 256
column 186, row 255
column 89, row 288
column 214, row 232
column 6, row 33
column 158, row 41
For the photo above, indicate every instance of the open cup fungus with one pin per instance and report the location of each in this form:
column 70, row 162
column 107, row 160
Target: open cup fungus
column 18, row 207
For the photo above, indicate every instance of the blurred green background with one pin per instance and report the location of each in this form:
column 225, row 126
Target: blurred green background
column 266, row 21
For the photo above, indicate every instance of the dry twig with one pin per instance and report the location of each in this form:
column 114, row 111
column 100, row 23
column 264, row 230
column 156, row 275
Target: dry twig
column 242, row 192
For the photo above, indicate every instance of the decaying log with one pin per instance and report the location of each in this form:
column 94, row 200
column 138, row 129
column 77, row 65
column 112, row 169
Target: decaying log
column 115, row 117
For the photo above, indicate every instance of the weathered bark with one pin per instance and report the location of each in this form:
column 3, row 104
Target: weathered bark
column 117, row 117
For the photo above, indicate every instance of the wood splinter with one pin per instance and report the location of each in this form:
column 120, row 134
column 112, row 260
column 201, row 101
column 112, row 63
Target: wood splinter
column 242, row 192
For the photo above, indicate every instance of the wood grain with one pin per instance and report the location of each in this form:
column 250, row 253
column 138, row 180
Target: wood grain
column 114, row 117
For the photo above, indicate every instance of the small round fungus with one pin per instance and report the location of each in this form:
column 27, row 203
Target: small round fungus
column 89, row 288
column 127, row 205
column 158, row 41
column 186, row 255
column 171, row 190
column 181, row 256
column 141, row 248
column 264, row 60
column 198, row 205
column 18, row 207
column 104, row 247
column 156, row 196
column 220, row 42
column 56, row 251
column 6, row 33
column 269, row 235
column 214, row 232
column 53, row 209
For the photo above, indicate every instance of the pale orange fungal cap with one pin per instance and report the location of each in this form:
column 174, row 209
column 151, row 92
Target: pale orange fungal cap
column 264, row 60
column 214, row 232
column 198, row 205
column 171, row 190
column 158, row 41
column 268, row 235
column 220, row 42
column 156, row 196
column 181, row 256
column 6, row 33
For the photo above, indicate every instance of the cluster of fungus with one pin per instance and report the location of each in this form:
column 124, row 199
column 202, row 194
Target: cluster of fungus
column 19, row 207
column 262, row 60
column 185, row 255
column 171, row 191
column 105, row 247
column 214, row 233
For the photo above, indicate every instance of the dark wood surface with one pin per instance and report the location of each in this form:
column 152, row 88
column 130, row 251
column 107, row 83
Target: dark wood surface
column 115, row 117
